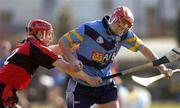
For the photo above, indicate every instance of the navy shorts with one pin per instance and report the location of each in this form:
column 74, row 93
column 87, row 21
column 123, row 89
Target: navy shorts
column 80, row 96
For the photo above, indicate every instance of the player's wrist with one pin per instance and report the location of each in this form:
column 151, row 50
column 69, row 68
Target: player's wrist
column 161, row 67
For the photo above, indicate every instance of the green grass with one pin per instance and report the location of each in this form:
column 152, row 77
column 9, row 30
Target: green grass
column 165, row 105
column 40, row 105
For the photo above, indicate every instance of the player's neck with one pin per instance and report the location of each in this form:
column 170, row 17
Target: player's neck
column 107, row 26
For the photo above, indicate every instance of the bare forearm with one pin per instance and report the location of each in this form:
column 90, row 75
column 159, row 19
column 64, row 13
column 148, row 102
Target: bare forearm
column 68, row 69
column 56, row 49
column 63, row 66
column 83, row 76
column 150, row 55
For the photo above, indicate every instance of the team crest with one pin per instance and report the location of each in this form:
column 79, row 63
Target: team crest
column 100, row 40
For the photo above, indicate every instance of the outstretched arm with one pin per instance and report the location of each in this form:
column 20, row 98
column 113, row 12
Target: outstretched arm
column 55, row 49
column 151, row 56
column 69, row 69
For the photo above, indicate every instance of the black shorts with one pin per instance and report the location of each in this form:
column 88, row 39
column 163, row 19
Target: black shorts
column 8, row 98
column 80, row 96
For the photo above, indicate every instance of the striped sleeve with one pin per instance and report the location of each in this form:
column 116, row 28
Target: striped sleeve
column 74, row 37
column 132, row 42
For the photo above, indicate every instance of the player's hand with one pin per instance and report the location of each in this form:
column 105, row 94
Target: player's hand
column 94, row 81
column 168, row 72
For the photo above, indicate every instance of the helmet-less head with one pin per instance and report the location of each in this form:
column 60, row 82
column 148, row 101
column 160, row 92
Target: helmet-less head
column 121, row 20
column 41, row 30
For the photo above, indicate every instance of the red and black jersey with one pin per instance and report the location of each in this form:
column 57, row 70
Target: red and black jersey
column 24, row 60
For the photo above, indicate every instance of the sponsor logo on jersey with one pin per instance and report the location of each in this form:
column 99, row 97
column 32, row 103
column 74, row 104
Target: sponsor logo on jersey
column 103, row 58
column 100, row 40
column 97, row 56
column 109, row 56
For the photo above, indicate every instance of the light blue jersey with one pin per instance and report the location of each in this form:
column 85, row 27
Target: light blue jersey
column 98, row 47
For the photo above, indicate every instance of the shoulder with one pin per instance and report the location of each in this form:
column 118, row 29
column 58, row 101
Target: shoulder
column 130, row 34
column 35, row 45
column 92, row 24
column 89, row 24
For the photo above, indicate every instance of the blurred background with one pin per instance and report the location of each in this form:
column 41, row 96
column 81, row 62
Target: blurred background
column 157, row 23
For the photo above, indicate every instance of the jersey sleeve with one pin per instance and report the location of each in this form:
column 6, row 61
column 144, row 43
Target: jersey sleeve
column 132, row 42
column 74, row 37
column 44, row 56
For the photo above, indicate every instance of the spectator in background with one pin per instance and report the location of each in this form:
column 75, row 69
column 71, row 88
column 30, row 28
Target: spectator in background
column 5, row 49
column 133, row 96
column 55, row 83
column 178, row 27
column 130, row 95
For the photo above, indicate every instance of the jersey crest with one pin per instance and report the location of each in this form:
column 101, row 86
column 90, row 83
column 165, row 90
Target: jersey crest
column 100, row 40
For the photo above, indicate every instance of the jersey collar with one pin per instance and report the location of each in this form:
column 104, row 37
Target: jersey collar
column 106, row 26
